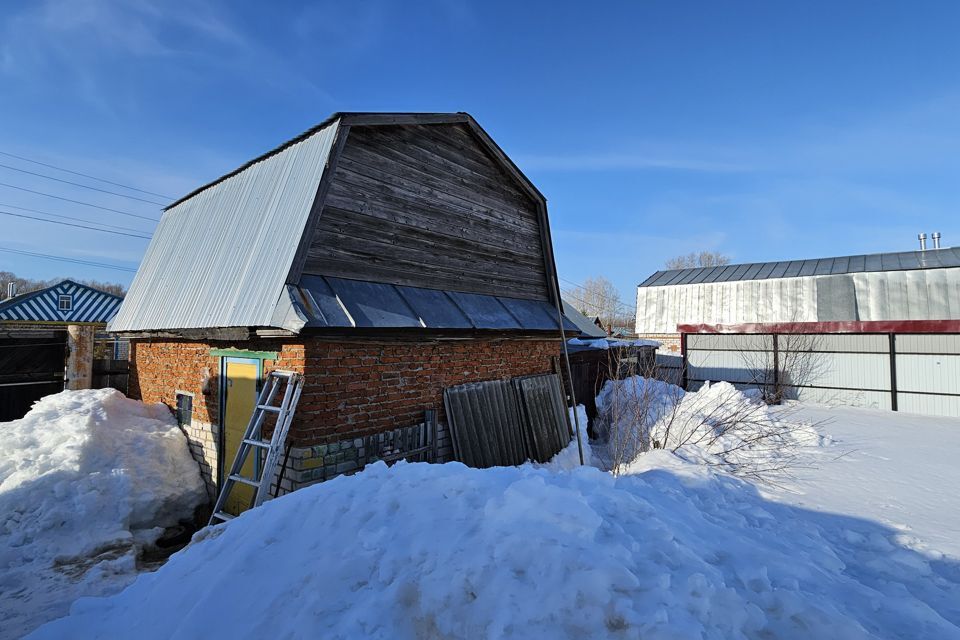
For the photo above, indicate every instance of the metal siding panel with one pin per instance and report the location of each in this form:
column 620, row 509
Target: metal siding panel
column 484, row 312
column 730, row 366
column 221, row 258
column 833, row 397
column 766, row 270
column 531, row 314
column 779, row 269
column 435, row 308
column 824, row 267
column 929, row 405
column 325, row 309
column 374, row 304
column 807, row 268
column 928, row 373
column 934, row 343
column 857, row 371
column 793, row 269
column 857, row 343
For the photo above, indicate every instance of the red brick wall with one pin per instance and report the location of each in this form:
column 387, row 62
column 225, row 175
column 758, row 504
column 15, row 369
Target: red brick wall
column 351, row 388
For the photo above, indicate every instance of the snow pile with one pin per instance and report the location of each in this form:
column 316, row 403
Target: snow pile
column 718, row 424
column 721, row 425
column 86, row 479
column 606, row 343
column 569, row 456
column 444, row 551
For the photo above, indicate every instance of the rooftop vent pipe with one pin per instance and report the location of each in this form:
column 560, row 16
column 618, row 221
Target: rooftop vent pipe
column 922, row 237
column 935, row 236
column 11, row 289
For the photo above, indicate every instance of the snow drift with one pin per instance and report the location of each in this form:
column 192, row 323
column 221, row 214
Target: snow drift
column 718, row 425
column 444, row 551
column 86, row 479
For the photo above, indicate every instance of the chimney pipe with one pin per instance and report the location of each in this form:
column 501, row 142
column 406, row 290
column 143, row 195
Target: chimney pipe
column 935, row 236
column 11, row 289
column 922, row 237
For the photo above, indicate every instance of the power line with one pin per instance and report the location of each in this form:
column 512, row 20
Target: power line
column 73, row 260
column 71, row 224
column 85, row 175
column 86, row 204
column 77, row 184
column 57, row 215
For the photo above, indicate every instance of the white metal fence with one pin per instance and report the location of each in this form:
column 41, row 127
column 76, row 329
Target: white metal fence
column 916, row 373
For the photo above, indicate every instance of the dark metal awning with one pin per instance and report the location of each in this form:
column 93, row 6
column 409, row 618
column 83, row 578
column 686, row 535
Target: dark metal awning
column 342, row 303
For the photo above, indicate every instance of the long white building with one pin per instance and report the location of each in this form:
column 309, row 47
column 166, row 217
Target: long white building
column 889, row 325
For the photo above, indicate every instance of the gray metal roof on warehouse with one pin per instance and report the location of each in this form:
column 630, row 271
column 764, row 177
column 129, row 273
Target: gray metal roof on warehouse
column 877, row 262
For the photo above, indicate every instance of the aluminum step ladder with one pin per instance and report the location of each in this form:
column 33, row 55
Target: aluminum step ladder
column 292, row 384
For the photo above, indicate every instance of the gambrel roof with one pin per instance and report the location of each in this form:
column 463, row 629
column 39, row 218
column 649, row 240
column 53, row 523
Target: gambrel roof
column 83, row 304
column 243, row 250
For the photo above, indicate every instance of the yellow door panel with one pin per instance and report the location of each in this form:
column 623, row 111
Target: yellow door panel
column 241, row 399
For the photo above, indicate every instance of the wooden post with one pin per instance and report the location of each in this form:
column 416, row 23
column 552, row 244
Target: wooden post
column 79, row 370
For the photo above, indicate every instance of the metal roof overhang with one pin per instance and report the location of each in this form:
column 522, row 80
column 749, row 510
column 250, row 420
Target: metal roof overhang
column 339, row 303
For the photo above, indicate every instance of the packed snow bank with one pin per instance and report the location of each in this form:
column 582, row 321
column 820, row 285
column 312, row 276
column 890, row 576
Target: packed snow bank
column 569, row 456
column 607, row 343
column 718, row 425
column 444, row 551
column 86, row 479
column 895, row 468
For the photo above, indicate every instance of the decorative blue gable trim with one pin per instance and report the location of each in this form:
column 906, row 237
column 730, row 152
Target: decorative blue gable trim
column 86, row 305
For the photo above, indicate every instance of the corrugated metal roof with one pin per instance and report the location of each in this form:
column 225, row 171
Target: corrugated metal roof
column 901, row 261
column 86, row 304
column 341, row 303
column 586, row 326
column 221, row 257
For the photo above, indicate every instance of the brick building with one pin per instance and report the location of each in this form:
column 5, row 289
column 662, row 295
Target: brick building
column 384, row 256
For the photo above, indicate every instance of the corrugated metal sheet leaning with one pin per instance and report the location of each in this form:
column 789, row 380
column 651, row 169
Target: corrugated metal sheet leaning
column 506, row 422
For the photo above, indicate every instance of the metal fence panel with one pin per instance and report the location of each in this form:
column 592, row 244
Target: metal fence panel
column 928, row 373
column 506, row 422
column 543, row 410
column 928, row 343
column 484, row 423
column 930, row 405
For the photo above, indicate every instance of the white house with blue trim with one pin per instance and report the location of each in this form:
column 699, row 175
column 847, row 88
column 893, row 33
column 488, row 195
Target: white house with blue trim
column 66, row 302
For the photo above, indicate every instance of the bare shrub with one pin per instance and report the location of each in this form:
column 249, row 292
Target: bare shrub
column 717, row 426
column 794, row 360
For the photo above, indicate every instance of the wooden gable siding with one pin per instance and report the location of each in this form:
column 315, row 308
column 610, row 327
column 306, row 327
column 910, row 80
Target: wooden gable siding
column 426, row 206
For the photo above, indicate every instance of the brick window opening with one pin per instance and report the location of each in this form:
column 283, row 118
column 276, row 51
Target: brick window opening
column 184, row 409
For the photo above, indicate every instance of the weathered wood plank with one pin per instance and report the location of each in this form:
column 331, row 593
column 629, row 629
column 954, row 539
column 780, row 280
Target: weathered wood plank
column 357, row 224
column 457, row 145
column 421, row 153
column 406, row 207
column 367, row 255
column 339, row 237
column 369, row 195
column 382, row 270
column 363, row 158
column 481, row 232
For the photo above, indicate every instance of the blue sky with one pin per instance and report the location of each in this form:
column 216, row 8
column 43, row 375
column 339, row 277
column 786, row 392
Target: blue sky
column 765, row 130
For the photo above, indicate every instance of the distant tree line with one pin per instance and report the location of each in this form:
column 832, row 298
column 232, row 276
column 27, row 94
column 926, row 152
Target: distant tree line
column 26, row 285
column 598, row 298
column 701, row 259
